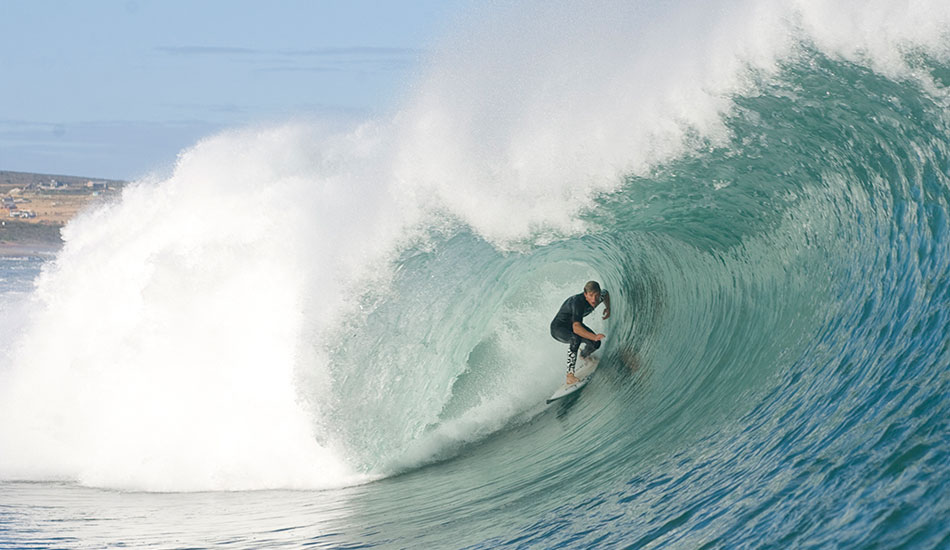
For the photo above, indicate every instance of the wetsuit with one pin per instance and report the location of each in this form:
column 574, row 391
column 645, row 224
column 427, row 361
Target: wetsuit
column 574, row 309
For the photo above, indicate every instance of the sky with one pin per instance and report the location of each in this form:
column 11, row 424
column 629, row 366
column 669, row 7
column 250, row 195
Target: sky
column 117, row 88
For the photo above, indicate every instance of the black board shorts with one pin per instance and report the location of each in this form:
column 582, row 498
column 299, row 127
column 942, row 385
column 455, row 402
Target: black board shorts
column 565, row 333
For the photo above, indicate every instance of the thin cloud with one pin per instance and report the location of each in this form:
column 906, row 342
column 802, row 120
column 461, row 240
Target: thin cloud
column 299, row 69
column 350, row 53
column 208, row 50
column 354, row 51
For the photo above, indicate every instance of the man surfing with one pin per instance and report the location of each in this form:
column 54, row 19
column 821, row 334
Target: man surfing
column 568, row 325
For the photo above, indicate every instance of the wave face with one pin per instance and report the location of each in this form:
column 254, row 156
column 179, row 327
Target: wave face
column 313, row 308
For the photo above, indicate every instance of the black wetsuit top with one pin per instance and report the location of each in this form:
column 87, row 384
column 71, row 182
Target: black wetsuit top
column 574, row 309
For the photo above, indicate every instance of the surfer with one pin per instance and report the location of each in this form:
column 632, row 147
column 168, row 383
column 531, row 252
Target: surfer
column 568, row 325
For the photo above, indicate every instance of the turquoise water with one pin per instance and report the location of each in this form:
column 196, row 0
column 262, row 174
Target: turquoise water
column 775, row 373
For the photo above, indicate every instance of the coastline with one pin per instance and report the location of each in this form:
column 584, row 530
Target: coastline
column 37, row 206
column 31, row 249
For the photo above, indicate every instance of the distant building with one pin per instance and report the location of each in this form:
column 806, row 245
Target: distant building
column 97, row 185
column 54, row 185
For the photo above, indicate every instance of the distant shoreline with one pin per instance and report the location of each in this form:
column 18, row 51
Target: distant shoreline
column 44, row 250
column 35, row 207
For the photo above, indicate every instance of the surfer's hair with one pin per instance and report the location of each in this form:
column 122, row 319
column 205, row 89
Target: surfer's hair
column 592, row 286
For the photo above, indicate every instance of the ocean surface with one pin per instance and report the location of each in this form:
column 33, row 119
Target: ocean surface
column 336, row 335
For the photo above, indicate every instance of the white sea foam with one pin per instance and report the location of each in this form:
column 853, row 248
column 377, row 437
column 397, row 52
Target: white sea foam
column 167, row 338
column 525, row 116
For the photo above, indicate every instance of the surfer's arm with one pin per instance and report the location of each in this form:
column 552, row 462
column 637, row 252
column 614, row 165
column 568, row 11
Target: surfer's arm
column 584, row 333
column 606, row 296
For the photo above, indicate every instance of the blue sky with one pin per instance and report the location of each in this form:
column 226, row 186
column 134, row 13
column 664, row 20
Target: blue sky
column 116, row 89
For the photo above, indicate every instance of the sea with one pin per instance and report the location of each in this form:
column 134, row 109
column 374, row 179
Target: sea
column 335, row 334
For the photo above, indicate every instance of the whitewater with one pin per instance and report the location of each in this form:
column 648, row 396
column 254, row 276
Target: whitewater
column 335, row 334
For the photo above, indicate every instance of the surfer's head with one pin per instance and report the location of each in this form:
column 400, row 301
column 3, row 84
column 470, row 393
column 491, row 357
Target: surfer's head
column 592, row 293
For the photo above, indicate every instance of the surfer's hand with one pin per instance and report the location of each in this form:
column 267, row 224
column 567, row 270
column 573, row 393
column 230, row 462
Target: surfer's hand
column 599, row 337
column 606, row 312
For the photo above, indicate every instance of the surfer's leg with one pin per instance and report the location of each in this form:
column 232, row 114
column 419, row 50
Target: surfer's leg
column 561, row 333
column 590, row 346
column 571, row 361
column 566, row 334
column 572, row 353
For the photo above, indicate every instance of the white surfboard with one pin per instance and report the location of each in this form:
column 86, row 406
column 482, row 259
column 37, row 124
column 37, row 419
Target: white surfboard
column 585, row 368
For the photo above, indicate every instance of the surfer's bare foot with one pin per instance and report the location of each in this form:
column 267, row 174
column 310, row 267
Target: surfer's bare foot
column 571, row 379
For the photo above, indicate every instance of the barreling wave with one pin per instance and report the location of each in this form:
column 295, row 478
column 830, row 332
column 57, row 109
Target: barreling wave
column 766, row 199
